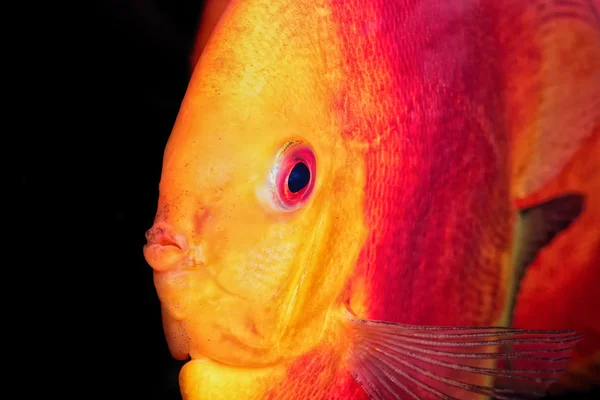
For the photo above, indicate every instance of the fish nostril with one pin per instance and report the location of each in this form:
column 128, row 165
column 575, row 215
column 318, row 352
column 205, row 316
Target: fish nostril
column 163, row 235
column 201, row 217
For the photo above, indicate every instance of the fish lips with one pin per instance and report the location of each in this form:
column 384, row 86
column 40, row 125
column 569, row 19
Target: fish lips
column 166, row 249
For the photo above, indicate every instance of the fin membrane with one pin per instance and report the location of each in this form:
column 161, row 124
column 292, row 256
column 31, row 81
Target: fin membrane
column 541, row 223
column 393, row 361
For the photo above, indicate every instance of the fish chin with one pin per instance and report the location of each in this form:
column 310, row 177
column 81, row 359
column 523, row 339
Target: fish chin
column 204, row 320
column 177, row 338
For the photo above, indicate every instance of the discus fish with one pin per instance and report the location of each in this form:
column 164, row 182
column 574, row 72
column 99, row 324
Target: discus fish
column 338, row 204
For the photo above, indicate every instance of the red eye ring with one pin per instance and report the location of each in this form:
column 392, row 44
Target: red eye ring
column 292, row 154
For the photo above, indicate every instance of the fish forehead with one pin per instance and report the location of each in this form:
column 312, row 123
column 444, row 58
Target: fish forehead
column 261, row 81
column 260, row 44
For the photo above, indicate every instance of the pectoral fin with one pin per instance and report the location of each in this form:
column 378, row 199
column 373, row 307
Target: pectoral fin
column 392, row 361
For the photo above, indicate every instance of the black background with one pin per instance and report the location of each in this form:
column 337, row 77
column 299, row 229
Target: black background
column 135, row 66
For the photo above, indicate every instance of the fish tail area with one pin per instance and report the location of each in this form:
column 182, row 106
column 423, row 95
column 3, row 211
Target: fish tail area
column 210, row 16
column 392, row 361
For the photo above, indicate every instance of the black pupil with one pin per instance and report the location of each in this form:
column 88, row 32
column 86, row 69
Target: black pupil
column 299, row 177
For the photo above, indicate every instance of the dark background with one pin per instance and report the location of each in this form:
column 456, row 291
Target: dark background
column 135, row 64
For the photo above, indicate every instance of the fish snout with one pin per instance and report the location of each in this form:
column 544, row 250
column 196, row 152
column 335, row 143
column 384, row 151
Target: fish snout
column 167, row 249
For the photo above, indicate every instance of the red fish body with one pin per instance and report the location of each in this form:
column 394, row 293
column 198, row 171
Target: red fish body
column 423, row 112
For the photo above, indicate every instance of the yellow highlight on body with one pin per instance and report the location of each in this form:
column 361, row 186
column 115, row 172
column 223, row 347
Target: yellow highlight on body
column 269, row 288
column 205, row 379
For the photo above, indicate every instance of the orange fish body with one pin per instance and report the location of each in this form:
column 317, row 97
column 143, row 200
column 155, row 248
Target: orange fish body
column 406, row 202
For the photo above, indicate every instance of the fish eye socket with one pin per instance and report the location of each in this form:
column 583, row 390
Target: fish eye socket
column 293, row 176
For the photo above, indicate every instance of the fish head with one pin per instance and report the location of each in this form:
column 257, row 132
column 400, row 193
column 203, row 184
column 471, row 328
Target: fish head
column 259, row 219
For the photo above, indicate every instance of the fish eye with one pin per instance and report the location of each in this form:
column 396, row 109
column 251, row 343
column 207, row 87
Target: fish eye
column 293, row 176
column 299, row 177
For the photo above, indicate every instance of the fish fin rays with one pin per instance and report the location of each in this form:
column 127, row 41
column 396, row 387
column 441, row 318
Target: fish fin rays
column 393, row 361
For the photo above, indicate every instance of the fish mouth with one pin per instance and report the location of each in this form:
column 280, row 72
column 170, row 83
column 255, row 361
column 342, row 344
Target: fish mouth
column 167, row 249
column 163, row 234
column 185, row 283
column 172, row 257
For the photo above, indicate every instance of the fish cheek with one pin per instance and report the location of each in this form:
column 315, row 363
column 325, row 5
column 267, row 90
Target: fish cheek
column 252, row 249
column 241, row 321
column 258, row 272
column 264, row 274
